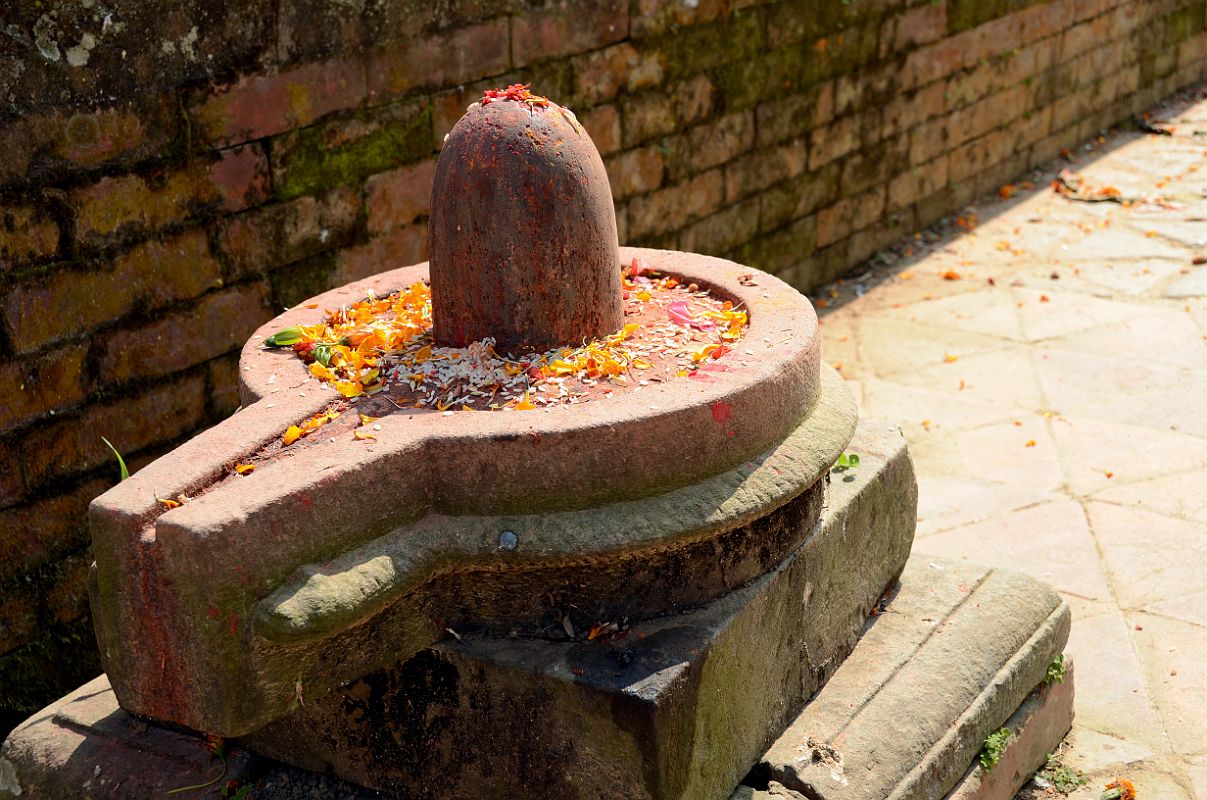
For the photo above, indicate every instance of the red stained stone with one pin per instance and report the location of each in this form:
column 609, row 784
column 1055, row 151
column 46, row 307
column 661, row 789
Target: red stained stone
column 523, row 232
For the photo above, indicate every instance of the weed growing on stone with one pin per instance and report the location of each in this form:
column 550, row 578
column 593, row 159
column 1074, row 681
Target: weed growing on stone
column 848, row 463
column 125, row 473
column 995, row 746
column 1056, row 670
column 1063, row 779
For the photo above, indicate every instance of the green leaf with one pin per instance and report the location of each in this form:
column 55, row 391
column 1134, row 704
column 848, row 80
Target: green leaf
column 120, row 463
column 853, row 460
column 285, row 338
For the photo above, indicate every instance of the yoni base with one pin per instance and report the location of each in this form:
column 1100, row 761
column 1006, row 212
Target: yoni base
column 679, row 707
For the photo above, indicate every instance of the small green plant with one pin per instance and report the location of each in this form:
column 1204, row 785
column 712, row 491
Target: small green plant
column 1063, row 779
column 125, row 473
column 235, row 791
column 995, row 746
column 1056, row 670
column 847, row 461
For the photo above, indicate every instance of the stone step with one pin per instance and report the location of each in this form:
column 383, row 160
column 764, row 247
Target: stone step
column 954, row 655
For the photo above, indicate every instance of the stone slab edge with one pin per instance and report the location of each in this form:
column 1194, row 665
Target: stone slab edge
column 965, row 648
column 1038, row 726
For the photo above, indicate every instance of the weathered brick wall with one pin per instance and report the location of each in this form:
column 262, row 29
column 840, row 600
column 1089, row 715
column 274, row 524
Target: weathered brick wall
column 173, row 174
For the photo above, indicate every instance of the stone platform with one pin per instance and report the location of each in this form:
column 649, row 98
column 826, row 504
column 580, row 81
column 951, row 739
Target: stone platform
column 688, row 702
column 898, row 735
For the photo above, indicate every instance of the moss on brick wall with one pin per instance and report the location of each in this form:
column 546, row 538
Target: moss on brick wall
column 173, row 173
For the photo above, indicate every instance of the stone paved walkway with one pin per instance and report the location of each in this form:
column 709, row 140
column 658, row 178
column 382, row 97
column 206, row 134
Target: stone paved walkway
column 1048, row 364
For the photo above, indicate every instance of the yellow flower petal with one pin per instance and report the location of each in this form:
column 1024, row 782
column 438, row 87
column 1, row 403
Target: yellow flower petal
column 291, row 434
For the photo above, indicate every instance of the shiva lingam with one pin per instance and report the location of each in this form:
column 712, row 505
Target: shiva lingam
column 538, row 442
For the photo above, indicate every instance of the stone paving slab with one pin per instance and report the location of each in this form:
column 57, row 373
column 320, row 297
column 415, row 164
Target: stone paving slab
column 1080, row 459
column 957, row 653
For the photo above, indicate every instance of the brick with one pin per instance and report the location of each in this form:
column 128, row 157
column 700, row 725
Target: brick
column 603, row 126
column 994, row 38
column 259, row 106
column 345, row 152
column 42, row 385
column 702, row 48
column 162, row 414
column 920, row 26
column 758, row 170
column 224, row 386
column 19, row 619
column 635, row 171
column 721, row 232
column 858, row 90
column 849, row 215
column 765, row 77
column 27, row 234
column 600, row 76
column 48, row 528
column 234, row 180
column 137, row 129
column 646, row 116
column 268, row 237
column 935, row 61
column 711, row 144
column 693, row 99
column 220, row 323
column 928, row 140
column 920, row 181
column 966, row 88
column 795, row 114
column 399, row 197
column 869, row 167
column 1030, row 61
column 657, row 16
column 622, row 225
column 1045, row 19
column 445, row 58
column 147, row 277
column 674, row 206
column 981, row 154
column 1032, row 127
column 798, row 197
column 449, row 106
column 164, row 271
column 783, row 248
column 12, row 483
column 566, row 28
column 992, row 112
column 906, row 111
column 1193, row 50
column 834, row 141
column 400, row 248
column 67, row 598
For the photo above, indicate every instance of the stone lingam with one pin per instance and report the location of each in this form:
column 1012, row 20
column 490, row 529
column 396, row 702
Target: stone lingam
column 544, row 518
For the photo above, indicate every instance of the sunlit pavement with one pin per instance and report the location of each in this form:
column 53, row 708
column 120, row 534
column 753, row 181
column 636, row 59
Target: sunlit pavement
column 1046, row 356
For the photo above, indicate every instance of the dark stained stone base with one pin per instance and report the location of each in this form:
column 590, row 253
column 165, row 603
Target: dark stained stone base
column 677, row 708
column 947, row 662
